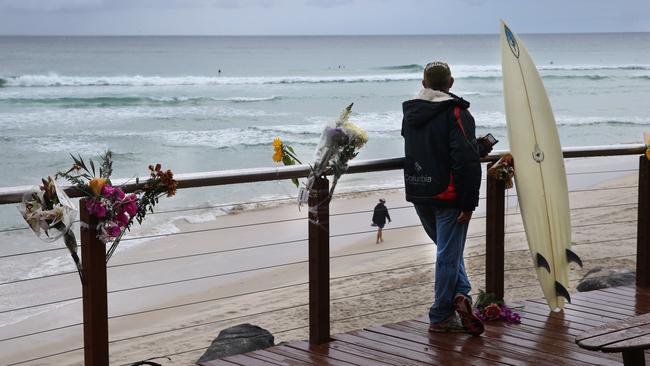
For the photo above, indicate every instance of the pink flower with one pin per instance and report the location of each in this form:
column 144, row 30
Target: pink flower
column 121, row 220
column 130, row 205
column 108, row 191
column 119, row 193
column 96, row 208
column 113, row 230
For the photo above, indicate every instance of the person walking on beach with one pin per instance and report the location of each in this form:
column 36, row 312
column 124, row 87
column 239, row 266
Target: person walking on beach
column 379, row 216
column 442, row 176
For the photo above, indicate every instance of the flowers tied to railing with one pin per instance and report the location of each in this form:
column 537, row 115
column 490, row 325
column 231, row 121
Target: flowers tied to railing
column 503, row 170
column 51, row 209
column 50, row 213
column 339, row 143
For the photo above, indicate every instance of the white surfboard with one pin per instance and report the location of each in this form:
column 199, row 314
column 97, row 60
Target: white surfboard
column 540, row 176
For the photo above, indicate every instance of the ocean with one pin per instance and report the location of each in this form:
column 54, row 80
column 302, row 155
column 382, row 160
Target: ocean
column 216, row 103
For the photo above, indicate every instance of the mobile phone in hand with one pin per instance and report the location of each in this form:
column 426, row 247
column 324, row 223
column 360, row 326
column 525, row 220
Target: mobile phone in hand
column 490, row 140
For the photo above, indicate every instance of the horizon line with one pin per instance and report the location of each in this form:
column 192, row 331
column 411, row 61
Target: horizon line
column 312, row 35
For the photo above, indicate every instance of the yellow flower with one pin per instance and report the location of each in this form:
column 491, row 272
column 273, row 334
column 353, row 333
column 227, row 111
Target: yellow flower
column 277, row 143
column 277, row 156
column 96, row 185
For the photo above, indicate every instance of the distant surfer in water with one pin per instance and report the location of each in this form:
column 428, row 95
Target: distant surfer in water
column 442, row 176
column 379, row 216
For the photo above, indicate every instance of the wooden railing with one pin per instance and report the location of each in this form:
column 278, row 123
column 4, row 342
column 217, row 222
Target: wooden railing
column 95, row 312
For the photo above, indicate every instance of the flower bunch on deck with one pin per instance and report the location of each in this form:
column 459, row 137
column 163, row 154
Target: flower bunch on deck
column 489, row 308
column 115, row 210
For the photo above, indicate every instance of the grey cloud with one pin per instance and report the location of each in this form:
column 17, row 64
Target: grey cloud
column 49, row 5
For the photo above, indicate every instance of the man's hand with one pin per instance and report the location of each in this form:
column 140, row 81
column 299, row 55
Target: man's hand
column 484, row 147
column 464, row 217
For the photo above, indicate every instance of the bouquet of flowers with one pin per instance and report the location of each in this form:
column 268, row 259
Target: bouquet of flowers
column 115, row 210
column 489, row 307
column 339, row 143
column 49, row 212
column 503, row 170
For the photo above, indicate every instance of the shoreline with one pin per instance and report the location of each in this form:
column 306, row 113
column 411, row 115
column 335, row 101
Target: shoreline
column 393, row 279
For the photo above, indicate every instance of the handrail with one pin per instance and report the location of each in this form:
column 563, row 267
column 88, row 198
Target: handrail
column 216, row 178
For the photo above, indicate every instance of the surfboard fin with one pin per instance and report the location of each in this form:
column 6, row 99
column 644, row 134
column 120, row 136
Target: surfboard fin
column 542, row 262
column 560, row 290
column 573, row 257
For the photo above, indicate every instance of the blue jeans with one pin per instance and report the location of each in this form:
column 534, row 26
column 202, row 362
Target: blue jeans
column 441, row 226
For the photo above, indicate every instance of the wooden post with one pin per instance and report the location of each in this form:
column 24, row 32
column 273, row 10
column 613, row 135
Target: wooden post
column 494, row 236
column 95, row 298
column 319, row 265
column 643, row 225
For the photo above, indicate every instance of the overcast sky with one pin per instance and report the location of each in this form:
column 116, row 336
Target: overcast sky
column 310, row 17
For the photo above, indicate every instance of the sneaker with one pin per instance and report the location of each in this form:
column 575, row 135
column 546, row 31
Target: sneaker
column 469, row 320
column 451, row 325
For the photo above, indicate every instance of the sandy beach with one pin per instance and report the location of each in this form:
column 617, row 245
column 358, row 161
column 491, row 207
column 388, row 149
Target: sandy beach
column 371, row 284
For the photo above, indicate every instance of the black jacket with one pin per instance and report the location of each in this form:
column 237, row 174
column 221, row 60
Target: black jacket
column 442, row 165
column 380, row 214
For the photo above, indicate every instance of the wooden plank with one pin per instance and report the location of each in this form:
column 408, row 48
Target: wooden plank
column 640, row 343
column 427, row 353
column 603, row 299
column 565, row 315
column 557, row 322
column 640, row 296
column 217, row 363
column 588, row 308
column 562, row 329
column 549, row 335
column 603, row 306
column 443, row 355
column 330, row 352
column 308, row 357
column 619, row 336
column 566, row 339
column 279, row 358
column 268, row 360
column 504, row 340
column 615, row 297
column 370, row 354
column 471, row 348
column 398, row 347
column 641, row 320
column 245, row 359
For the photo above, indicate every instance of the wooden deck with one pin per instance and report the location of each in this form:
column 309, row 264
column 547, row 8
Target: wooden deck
column 542, row 338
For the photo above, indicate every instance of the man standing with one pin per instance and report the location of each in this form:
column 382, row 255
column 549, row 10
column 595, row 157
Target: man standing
column 379, row 216
column 442, row 175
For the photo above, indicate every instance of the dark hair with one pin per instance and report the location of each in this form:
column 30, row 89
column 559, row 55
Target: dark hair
column 437, row 75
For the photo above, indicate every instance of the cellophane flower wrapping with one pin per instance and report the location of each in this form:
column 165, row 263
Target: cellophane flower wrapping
column 339, row 143
column 50, row 213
